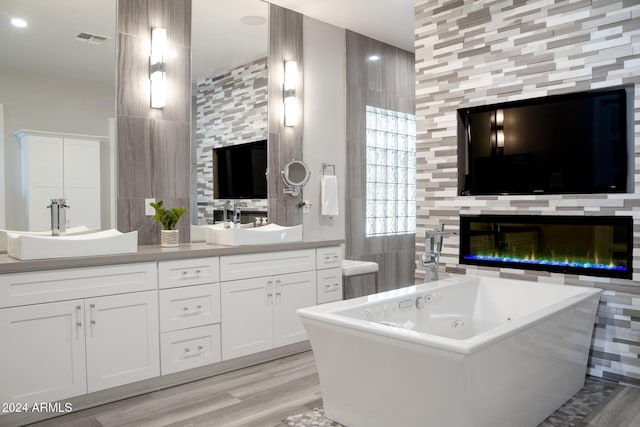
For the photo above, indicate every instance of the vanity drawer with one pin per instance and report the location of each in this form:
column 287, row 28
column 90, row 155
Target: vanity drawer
column 58, row 285
column 234, row 267
column 189, row 348
column 188, row 272
column 329, row 285
column 188, row 307
column 330, row 257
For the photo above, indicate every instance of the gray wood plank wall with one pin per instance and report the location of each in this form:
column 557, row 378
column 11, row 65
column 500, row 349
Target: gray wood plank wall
column 153, row 144
column 285, row 143
column 388, row 83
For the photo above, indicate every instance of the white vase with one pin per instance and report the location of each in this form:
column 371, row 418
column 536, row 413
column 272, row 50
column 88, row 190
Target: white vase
column 169, row 238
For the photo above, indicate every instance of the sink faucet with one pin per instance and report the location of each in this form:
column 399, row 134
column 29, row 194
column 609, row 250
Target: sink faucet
column 236, row 213
column 58, row 216
column 226, row 207
column 433, row 249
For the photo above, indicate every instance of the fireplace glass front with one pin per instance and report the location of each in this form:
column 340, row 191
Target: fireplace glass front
column 588, row 245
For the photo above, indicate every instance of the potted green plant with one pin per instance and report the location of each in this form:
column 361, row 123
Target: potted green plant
column 169, row 236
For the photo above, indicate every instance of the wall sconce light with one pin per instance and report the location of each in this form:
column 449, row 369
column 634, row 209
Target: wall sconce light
column 289, row 93
column 499, row 128
column 157, row 67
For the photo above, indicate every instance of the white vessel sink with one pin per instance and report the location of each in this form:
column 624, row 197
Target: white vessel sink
column 109, row 242
column 236, row 236
column 81, row 229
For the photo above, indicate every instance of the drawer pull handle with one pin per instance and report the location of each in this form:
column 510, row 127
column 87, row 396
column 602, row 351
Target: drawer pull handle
column 187, row 276
column 198, row 307
column 188, row 353
column 278, row 282
column 185, row 308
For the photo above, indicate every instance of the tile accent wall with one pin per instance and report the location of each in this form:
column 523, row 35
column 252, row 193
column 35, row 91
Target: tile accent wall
column 230, row 109
column 153, row 144
column 483, row 52
column 388, row 84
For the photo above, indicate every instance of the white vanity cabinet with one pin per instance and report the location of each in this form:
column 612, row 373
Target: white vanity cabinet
column 57, row 165
column 259, row 305
column 43, row 352
column 329, row 274
column 189, row 313
column 99, row 331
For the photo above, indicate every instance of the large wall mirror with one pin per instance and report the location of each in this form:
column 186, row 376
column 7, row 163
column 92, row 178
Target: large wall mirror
column 57, row 77
column 229, row 94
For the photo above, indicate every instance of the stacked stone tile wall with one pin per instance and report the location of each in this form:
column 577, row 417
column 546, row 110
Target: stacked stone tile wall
column 231, row 109
column 472, row 53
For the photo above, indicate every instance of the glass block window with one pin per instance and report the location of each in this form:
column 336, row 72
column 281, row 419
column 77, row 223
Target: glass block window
column 391, row 172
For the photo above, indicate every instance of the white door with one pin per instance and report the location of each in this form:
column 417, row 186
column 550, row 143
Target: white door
column 246, row 317
column 42, row 357
column 292, row 291
column 42, row 171
column 82, row 182
column 122, row 339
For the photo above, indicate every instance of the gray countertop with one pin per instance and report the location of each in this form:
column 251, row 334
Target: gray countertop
column 154, row 253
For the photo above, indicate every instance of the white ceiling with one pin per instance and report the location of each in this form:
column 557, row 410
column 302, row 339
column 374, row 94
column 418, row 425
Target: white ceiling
column 390, row 21
column 220, row 41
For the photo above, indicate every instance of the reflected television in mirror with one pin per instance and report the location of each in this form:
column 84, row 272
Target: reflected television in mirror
column 239, row 171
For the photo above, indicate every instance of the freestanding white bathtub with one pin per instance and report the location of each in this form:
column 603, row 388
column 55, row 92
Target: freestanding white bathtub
column 464, row 351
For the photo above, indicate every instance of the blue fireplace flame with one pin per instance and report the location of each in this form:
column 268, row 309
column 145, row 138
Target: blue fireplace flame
column 547, row 262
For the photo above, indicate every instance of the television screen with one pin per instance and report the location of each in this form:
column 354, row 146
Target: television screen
column 574, row 143
column 239, row 171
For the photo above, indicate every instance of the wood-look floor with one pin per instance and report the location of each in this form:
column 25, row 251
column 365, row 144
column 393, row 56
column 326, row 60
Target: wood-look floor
column 263, row 396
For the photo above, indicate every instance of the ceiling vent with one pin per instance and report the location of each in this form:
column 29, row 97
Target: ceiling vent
column 91, row 38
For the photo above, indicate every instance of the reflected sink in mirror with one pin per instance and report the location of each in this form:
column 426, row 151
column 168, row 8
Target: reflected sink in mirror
column 110, row 242
column 237, row 236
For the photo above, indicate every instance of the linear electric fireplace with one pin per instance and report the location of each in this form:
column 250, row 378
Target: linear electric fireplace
column 589, row 245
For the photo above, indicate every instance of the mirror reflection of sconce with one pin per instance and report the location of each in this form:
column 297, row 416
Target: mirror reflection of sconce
column 157, row 67
column 289, row 93
column 497, row 127
column 295, row 176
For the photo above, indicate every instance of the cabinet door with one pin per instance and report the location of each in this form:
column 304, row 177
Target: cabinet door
column 246, row 318
column 82, row 182
column 292, row 291
column 122, row 339
column 42, row 357
column 42, row 170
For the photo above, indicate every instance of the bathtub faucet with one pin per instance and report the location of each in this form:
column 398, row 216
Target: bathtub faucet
column 433, row 249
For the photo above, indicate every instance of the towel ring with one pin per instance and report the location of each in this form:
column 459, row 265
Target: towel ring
column 295, row 176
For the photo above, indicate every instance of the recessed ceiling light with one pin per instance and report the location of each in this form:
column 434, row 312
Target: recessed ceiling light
column 374, row 58
column 18, row 22
column 253, row 20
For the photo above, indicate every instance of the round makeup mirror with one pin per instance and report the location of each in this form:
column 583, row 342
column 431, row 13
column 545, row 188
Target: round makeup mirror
column 295, row 175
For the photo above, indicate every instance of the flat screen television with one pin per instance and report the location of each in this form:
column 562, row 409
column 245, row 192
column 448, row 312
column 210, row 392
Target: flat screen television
column 574, row 143
column 239, row 171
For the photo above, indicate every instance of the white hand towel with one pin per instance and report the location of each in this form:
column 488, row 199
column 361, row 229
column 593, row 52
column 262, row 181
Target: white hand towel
column 329, row 195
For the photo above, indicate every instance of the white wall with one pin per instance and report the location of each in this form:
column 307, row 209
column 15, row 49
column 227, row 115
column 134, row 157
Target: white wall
column 324, row 137
column 42, row 102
